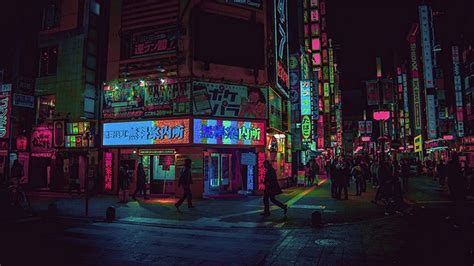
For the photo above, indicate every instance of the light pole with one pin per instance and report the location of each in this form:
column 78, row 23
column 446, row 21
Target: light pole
column 88, row 136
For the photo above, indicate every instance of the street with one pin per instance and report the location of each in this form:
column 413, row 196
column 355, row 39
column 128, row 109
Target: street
column 231, row 231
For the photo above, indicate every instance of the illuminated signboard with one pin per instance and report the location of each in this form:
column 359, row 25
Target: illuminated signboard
column 152, row 43
column 77, row 128
column 261, row 171
column 305, row 97
column 415, row 85
column 153, row 132
column 5, row 106
column 458, row 91
column 406, row 107
column 281, row 45
column 418, row 143
column 78, row 141
column 41, row 140
column 108, row 170
column 249, row 3
column 306, row 128
column 75, row 135
column 228, row 132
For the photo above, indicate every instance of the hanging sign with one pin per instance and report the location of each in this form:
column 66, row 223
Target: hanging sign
column 108, row 170
column 306, row 127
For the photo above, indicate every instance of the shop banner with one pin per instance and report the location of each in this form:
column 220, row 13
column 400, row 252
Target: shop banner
column 41, row 139
column 108, row 170
column 294, row 79
column 372, row 93
column 152, row 98
column 5, row 110
column 275, row 107
column 362, row 130
column 281, row 45
column 153, row 43
column 153, row 132
column 229, row 132
column 305, row 97
column 306, row 130
column 431, row 114
column 219, row 99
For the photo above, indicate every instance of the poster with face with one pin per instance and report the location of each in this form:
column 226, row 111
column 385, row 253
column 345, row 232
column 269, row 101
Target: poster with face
column 228, row 100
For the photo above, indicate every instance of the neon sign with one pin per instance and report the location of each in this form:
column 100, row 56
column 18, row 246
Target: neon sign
column 281, row 45
column 228, row 132
column 261, row 171
column 153, row 132
column 305, row 97
column 306, row 128
column 108, row 166
column 5, row 100
column 415, row 84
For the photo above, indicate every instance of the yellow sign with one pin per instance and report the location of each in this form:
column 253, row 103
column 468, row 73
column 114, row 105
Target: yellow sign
column 306, row 127
column 418, row 143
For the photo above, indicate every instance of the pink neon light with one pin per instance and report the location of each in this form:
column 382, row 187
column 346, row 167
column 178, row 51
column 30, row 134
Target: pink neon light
column 448, row 137
column 108, row 171
column 261, row 171
column 316, row 44
column 314, row 15
column 381, row 115
column 365, row 139
column 317, row 59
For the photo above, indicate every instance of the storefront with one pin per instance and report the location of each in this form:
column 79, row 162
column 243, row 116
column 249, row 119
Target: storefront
column 467, row 149
column 437, row 150
column 215, row 148
column 42, row 152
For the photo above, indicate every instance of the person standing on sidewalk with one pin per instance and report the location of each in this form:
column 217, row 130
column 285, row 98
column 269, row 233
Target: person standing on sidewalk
column 185, row 180
column 374, row 168
column 315, row 171
column 308, row 173
column 272, row 188
column 457, row 188
column 124, row 183
column 141, row 182
column 343, row 179
column 405, row 172
column 74, row 182
column 441, row 171
column 333, row 173
column 356, row 172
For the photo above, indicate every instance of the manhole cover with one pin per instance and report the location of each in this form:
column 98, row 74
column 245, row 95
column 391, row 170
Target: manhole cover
column 326, row 242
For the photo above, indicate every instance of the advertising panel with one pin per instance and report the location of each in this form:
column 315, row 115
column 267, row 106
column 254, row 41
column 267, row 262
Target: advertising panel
column 458, row 91
column 426, row 46
column 275, row 106
column 306, row 128
column 22, row 100
column 406, row 107
column 153, row 43
column 147, row 99
column 228, row 100
column 294, row 80
column 281, row 45
column 372, row 93
column 108, row 170
column 305, row 97
column 249, row 3
column 5, row 106
column 415, row 85
column 229, row 132
column 152, row 132
column 41, row 139
column 388, row 91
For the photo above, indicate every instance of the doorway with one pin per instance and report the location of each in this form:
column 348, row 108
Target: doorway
column 160, row 173
column 218, row 172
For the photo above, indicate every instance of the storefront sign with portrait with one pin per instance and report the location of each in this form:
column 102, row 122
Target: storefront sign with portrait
column 41, row 139
column 228, row 132
column 219, row 99
column 152, row 132
column 151, row 98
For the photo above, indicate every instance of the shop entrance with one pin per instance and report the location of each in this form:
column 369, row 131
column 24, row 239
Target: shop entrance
column 217, row 170
column 160, row 172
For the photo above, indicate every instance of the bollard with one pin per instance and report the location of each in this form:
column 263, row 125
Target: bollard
column 52, row 209
column 316, row 219
column 110, row 214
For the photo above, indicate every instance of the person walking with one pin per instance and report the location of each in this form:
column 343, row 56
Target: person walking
column 384, row 178
column 272, row 188
column 374, row 168
column 185, row 180
column 141, row 182
column 405, row 172
column 343, row 176
column 356, row 173
column 333, row 173
column 315, row 172
column 124, row 183
column 441, row 170
column 457, row 188
column 308, row 173
column 16, row 173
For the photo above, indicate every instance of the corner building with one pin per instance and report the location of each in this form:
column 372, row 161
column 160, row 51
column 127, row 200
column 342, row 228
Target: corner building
column 198, row 80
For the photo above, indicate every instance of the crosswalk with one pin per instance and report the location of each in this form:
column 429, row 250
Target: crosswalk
column 128, row 244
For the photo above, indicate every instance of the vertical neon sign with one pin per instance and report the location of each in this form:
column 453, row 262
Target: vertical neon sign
column 281, row 45
column 415, row 85
column 458, row 91
column 108, row 174
column 261, row 171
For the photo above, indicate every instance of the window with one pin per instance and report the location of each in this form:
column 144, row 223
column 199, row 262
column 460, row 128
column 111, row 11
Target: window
column 48, row 61
column 46, row 107
column 50, row 16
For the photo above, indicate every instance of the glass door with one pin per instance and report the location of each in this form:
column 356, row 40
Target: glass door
column 218, row 172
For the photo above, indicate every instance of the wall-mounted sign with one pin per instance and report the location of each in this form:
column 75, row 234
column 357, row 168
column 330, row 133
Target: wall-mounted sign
column 458, row 92
column 152, row 43
column 415, row 85
column 372, row 92
column 248, row 158
column 58, row 133
column 249, row 3
column 22, row 100
column 5, row 106
column 78, row 141
column 261, row 171
column 228, row 132
column 151, row 98
column 281, row 45
column 275, row 110
column 156, row 152
column 108, row 170
column 305, row 97
column 219, row 99
column 306, row 127
column 418, row 143
column 41, row 140
column 153, row 132
column 21, row 143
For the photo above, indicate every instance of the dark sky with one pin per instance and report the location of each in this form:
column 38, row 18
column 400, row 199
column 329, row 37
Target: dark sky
column 365, row 29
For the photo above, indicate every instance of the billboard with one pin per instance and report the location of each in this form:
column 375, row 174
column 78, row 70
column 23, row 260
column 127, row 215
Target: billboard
column 228, row 132
column 372, row 93
column 151, row 98
column 425, row 29
column 153, row 43
column 218, row 99
column 281, row 45
column 151, row 132
column 415, row 85
column 458, row 91
column 305, row 97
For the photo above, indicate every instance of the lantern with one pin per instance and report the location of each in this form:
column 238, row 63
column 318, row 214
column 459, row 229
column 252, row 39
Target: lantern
column 21, row 143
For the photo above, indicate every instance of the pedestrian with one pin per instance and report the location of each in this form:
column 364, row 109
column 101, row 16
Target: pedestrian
column 441, row 172
column 141, row 182
column 384, row 178
column 405, row 173
column 74, row 182
column 356, row 173
column 185, row 180
column 374, row 172
column 308, row 173
column 343, row 177
column 315, row 171
column 365, row 175
column 333, row 173
column 16, row 173
column 272, row 188
column 124, row 183
column 457, row 187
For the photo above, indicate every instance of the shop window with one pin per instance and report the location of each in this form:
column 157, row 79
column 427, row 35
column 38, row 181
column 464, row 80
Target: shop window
column 48, row 61
column 46, row 107
column 50, row 16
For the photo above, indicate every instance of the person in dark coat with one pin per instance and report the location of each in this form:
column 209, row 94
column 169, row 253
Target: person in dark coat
column 457, row 188
column 405, row 171
column 314, row 171
column 441, row 170
column 272, row 188
column 385, row 174
column 16, row 172
column 356, row 172
column 141, row 182
column 185, row 180
column 343, row 179
column 333, row 173
column 124, row 183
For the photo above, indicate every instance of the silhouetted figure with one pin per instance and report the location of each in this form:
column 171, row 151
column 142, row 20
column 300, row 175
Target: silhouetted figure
column 74, row 182
column 385, row 178
column 441, row 169
column 185, row 180
column 272, row 188
column 124, row 183
column 405, row 171
column 457, row 187
column 141, row 182
column 333, row 172
column 16, row 172
column 343, row 179
column 357, row 174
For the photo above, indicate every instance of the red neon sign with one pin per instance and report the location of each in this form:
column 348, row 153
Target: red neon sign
column 108, row 171
column 261, row 171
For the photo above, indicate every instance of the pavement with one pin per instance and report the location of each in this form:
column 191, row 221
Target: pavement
column 231, row 231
